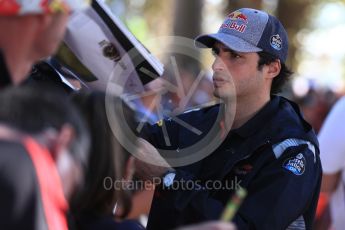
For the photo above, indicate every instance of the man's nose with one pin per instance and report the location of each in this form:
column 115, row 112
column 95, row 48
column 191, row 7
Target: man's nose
column 218, row 64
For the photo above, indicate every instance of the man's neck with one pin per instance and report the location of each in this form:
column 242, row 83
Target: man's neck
column 246, row 108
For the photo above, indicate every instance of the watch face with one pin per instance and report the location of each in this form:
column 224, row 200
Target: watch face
column 168, row 179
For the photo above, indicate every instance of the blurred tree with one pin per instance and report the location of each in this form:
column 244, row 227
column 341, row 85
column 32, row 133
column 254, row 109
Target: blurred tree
column 294, row 15
column 187, row 18
column 236, row 4
column 187, row 21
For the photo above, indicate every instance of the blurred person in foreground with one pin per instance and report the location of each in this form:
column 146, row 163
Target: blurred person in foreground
column 31, row 30
column 268, row 148
column 93, row 206
column 44, row 150
column 332, row 153
column 108, row 179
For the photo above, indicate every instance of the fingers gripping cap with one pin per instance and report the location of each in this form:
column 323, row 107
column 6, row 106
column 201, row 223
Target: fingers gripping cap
column 22, row 7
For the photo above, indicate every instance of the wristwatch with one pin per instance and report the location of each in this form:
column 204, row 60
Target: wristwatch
column 168, row 178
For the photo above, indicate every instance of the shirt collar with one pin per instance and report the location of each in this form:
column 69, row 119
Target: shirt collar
column 260, row 119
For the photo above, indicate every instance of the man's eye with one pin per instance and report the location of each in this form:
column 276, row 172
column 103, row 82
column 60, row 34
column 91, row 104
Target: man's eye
column 234, row 55
column 215, row 52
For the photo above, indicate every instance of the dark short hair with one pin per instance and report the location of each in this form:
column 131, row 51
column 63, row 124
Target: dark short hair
column 283, row 76
column 33, row 109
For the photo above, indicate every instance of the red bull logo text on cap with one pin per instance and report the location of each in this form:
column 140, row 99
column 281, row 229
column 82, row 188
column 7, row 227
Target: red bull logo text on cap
column 234, row 26
column 237, row 22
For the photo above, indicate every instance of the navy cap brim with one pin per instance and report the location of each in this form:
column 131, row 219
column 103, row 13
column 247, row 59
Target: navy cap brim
column 232, row 42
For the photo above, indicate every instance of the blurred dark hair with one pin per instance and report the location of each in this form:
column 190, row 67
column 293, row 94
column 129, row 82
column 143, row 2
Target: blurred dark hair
column 33, row 109
column 107, row 160
column 284, row 75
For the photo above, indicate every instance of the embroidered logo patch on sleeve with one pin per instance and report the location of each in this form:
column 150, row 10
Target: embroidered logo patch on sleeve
column 296, row 165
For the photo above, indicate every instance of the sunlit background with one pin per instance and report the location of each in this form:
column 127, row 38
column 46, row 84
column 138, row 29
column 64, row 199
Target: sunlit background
column 317, row 34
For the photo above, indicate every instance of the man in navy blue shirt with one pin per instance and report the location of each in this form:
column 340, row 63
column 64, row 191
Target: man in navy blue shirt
column 266, row 145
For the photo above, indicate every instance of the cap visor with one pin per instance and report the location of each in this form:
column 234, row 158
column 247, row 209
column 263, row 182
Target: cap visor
column 234, row 43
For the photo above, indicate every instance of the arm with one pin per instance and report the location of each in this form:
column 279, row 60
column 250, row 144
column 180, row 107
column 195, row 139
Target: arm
column 332, row 147
column 330, row 182
column 183, row 203
column 280, row 194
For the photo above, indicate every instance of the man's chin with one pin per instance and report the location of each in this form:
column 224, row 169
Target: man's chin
column 216, row 94
column 223, row 95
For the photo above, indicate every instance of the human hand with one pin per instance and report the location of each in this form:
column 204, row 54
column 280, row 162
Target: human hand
column 150, row 164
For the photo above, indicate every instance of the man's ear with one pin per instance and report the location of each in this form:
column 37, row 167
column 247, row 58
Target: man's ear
column 273, row 69
column 130, row 168
column 63, row 140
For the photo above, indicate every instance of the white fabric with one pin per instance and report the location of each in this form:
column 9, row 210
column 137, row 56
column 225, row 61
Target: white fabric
column 332, row 153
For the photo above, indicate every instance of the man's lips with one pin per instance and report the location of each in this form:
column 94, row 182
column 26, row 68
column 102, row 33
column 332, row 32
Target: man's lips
column 218, row 81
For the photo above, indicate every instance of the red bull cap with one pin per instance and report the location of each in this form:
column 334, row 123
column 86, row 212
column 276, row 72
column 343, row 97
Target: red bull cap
column 237, row 15
column 22, row 7
column 249, row 30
